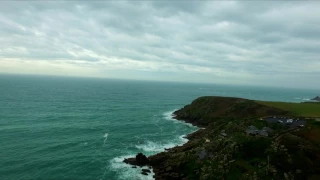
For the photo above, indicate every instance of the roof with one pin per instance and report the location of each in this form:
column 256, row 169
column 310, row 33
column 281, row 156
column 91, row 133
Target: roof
column 202, row 154
column 263, row 133
column 249, row 131
column 252, row 128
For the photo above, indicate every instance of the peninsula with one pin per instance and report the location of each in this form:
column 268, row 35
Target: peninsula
column 242, row 139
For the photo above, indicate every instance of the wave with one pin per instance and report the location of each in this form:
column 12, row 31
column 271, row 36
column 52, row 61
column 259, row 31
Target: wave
column 183, row 139
column 150, row 146
column 303, row 99
column 125, row 171
column 156, row 147
column 170, row 116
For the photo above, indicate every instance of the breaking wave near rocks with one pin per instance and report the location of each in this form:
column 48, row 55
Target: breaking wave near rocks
column 171, row 134
column 169, row 115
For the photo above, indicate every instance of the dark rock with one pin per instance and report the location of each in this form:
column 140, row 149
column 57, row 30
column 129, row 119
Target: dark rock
column 134, row 166
column 144, row 173
column 139, row 160
column 316, row 98
column 131, row 161
column 146, row 170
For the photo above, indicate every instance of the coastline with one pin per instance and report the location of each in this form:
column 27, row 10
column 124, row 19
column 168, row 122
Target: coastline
column 149, row 146
column 222, row 148
column 154, row 168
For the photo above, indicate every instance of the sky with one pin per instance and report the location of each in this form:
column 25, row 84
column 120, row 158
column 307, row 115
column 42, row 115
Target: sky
column 271, row 43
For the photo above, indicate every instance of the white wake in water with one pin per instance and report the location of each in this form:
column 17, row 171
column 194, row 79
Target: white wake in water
column 106, row 137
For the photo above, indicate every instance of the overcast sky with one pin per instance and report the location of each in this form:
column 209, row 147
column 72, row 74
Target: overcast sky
column 248, row 42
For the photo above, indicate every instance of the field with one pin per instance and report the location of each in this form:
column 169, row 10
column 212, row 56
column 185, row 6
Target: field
column 298, row 109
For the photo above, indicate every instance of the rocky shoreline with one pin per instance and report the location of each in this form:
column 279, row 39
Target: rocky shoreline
column 222, row 150
column 154, row 160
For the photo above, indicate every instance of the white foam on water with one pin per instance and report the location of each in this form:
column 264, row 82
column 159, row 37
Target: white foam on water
column 303, row 99
column 183, row 139
column 154, row 147
column 150, row 146
column 170, row 116
column 125, row 171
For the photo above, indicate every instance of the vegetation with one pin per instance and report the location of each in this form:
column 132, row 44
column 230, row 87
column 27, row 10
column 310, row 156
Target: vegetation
column 223, row 150
column 297, row 109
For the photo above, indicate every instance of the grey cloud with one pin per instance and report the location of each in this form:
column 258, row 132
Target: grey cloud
column 242, row 39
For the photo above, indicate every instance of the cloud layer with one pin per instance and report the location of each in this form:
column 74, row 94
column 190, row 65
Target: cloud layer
column 259, row 43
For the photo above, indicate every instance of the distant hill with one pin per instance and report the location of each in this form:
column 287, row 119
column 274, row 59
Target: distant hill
column 316, row 98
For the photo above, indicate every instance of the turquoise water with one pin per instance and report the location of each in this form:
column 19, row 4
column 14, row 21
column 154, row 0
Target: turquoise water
column 82, row 128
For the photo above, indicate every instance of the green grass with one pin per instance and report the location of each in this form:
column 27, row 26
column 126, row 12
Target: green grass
column 297, row 109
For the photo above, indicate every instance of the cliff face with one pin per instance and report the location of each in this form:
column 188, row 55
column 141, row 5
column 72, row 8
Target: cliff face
column 224, row 151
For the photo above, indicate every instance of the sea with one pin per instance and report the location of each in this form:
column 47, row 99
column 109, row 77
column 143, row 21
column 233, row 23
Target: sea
column 68, row 128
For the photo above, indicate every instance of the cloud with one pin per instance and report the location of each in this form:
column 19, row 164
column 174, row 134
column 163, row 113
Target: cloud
column 236, row 42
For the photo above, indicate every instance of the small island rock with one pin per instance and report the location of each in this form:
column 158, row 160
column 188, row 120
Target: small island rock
column 139, row 160
column 316, row 98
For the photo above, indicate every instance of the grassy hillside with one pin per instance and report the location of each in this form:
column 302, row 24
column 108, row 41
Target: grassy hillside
column 298, row 109
column 207, row 109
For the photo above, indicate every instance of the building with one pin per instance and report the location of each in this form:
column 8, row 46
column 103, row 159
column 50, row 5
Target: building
column 252, row 130
column 268, row 130
column 265, row 131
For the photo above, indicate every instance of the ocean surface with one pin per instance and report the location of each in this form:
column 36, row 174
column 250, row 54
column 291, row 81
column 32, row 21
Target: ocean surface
column 82, row 128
